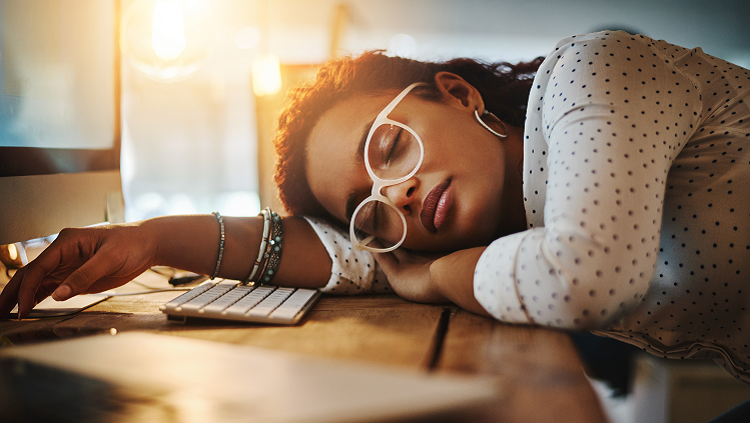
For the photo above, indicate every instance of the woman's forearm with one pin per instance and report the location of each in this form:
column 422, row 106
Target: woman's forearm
column 192, row 243
column 454, row 277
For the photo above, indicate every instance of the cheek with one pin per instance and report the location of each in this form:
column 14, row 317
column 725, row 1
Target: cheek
column 458, row 135
column 324, row 190
column 320, row 179
column 331, row 185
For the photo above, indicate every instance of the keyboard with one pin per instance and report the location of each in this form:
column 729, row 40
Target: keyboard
column 231, row 300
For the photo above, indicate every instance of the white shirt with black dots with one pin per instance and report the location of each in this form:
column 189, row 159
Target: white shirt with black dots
column 637, row 193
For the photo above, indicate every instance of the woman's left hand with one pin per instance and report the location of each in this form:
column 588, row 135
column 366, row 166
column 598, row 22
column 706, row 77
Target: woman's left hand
column 409, row 275
column 433, row 278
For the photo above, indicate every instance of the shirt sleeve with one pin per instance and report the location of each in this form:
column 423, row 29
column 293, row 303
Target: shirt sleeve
column 352, row 271
column 608, row 114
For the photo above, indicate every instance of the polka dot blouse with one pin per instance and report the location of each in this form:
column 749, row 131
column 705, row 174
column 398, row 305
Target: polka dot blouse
column 637, row 193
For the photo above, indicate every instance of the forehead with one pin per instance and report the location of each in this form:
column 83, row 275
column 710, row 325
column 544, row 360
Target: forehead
column 332, row 166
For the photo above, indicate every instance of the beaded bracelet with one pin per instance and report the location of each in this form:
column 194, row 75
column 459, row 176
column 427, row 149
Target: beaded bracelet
column 259, row 261
column 273, row 253
column 221, row 245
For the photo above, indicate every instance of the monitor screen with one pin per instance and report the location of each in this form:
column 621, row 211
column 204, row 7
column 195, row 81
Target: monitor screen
column 59, row 116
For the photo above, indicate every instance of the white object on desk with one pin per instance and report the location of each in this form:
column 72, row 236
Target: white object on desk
column 51, row 308
column 207, row 381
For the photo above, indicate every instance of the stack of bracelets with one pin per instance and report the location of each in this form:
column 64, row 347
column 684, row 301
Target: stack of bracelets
column 269, row 253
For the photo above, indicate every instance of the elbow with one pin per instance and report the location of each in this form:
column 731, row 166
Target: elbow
column 585, row 305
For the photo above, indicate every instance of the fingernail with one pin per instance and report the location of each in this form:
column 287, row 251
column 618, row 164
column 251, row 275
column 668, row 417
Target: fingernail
column 61, row 293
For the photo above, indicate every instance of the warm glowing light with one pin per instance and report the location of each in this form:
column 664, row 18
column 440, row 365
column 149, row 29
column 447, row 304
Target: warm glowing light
column 266, row 75
column 12, row 252
column 168, row 34
column 169, row 40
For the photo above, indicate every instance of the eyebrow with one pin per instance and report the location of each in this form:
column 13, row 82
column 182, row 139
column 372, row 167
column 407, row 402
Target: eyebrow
column 351, row 200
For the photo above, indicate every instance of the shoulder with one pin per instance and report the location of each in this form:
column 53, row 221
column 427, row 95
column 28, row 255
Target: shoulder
column 603, row 64
column 606, row 48
column 617, row 40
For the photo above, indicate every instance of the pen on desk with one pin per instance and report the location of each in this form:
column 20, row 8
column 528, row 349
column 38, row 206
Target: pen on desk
column 184, row 280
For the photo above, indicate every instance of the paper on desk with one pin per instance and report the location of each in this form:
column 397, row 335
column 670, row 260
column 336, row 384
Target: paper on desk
column 51, row 308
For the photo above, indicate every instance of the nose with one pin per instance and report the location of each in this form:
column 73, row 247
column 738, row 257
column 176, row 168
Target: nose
column 402, row 195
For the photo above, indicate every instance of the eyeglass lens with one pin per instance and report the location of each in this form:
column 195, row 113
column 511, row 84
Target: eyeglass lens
column 379, row 222
column 393, row 152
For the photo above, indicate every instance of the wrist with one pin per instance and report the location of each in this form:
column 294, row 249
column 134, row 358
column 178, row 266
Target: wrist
column 153, row 235
column 453, row 278
column 440, row 281
column 184, row 242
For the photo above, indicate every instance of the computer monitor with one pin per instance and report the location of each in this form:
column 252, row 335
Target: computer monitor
column 59, row 116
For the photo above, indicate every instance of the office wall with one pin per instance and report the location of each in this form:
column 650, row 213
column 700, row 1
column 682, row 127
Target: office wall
column 506, row 28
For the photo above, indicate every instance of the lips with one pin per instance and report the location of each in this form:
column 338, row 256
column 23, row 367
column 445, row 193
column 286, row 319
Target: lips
column 435, row 207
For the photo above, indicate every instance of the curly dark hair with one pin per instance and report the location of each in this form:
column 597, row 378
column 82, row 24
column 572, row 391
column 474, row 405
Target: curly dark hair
column 504, row 87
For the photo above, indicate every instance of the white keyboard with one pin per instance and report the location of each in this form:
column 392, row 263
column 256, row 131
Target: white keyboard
column 231, row 300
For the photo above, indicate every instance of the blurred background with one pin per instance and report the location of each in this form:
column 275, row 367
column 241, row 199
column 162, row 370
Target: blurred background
column 203, row 80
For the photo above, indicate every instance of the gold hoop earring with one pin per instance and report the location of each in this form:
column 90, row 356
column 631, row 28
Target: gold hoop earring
column 487, row 127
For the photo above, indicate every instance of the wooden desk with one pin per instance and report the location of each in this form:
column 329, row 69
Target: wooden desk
column 539, row 370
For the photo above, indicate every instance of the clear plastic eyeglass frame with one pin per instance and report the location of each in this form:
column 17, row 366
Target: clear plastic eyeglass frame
column 377, row 183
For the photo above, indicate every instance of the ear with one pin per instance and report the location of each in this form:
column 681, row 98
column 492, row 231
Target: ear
column 458, row 92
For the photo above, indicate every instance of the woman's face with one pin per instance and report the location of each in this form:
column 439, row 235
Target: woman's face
column 454, row 200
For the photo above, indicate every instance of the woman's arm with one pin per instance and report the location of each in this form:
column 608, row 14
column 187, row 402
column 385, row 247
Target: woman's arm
column 454, row 278
column 434, row 279
column 101, row 258
column 192, row 243
column 608, row 114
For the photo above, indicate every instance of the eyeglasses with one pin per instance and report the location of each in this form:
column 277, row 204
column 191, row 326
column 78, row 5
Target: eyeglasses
column 393, row 153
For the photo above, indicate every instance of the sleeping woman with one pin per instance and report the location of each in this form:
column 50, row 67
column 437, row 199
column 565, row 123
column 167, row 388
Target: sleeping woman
column 603, row 188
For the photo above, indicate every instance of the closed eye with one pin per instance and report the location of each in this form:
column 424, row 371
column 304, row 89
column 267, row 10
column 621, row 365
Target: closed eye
column 394, row 146
column 368, row 217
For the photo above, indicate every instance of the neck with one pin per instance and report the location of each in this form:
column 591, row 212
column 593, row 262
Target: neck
column 514, row 212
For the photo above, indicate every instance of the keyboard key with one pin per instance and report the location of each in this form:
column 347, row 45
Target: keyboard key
column 226, row 300
column 186, row 296
column 269, row 304
column 293, row 305
column 242, row 306
column 205, row 298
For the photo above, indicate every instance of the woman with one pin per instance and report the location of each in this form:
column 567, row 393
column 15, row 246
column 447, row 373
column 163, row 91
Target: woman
column 609, row 193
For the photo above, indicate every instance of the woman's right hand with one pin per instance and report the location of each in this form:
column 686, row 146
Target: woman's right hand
column 80, row 261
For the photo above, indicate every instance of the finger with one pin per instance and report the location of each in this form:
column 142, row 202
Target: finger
column 29, row 283
column 44, row 291
column 397, row 257
column 81, row 279
column 387, row 260
column 403, row 255
column 36, row 272
column 9, row 296
column 391, row 265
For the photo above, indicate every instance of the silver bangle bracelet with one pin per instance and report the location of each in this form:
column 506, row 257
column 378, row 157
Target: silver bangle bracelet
column 259, row 261
column 221, row 245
